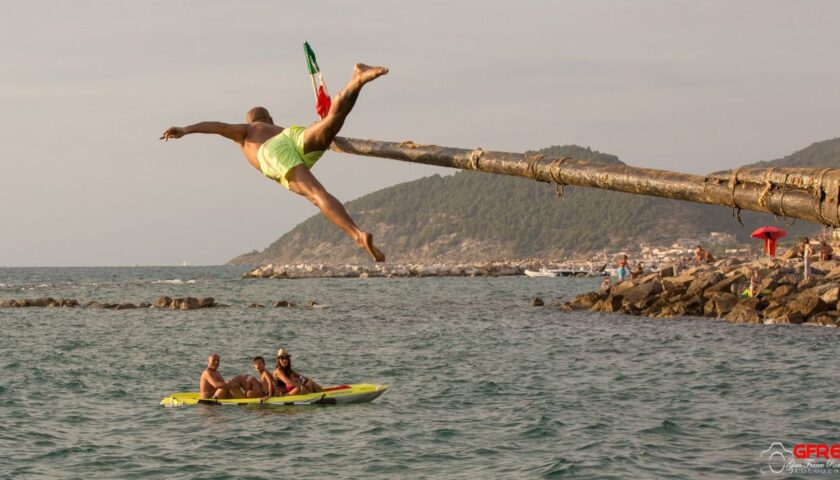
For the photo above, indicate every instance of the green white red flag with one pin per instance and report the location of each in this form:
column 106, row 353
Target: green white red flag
column 319, row 88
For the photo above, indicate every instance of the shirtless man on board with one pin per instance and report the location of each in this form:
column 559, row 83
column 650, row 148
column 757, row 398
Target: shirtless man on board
column 212, row 385
column 286, row 155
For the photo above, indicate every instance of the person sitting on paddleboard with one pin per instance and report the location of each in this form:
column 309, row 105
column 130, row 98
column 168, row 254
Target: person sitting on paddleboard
column 212, row 385
column 286, row 155
column 295, row 383
column 261, row 386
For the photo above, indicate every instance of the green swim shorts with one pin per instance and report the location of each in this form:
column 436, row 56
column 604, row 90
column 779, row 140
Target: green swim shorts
column 283, row 152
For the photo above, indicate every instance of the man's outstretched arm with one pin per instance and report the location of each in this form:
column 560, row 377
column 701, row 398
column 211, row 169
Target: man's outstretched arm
column 235, row 132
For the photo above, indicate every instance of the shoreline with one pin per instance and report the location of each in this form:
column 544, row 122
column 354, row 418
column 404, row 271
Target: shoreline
column 500, row 268
column 718, row 290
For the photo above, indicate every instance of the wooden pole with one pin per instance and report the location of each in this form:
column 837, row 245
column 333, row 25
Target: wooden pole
column 805, row 193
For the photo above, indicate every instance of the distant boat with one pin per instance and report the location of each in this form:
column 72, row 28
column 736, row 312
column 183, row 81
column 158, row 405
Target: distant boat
column 543, row 272
column 185, row 263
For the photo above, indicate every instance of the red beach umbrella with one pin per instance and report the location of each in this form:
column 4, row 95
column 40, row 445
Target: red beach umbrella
column 769, row 234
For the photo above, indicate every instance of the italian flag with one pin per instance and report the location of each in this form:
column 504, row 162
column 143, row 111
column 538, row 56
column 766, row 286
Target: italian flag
column 319, row 88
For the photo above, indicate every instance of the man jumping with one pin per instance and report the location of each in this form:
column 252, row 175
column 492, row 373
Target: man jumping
column 286, row 155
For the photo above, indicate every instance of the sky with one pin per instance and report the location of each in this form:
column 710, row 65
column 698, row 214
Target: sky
column 87, row 87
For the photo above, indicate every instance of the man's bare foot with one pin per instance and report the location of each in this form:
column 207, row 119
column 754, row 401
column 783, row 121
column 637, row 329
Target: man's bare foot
column 367, row 244
column 365, row 73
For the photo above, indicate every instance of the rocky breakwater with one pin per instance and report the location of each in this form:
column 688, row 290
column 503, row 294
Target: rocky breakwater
column 485, row 269
column 717, row 291
column 188, row 303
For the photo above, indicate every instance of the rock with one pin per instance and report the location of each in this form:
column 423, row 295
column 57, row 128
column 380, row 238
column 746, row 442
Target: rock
column 709, row 309
column 728, row 262
column 620, row 288
column 677, row 284
column 312, row 304
column 537, row 302
column 190, row 303
column 144, row 305
column 824, row 266
column 833, row 274
column 783, row 291
column 788, row 279
column 585, row 301
column 742, row 313
column 822, row 320
column 787, row 318
column 68, row 302
column 722, row 303
column 777, row 308
column 254, row 305
column 828, row 292
column 364, row 275
column 655, row 307
column 702, row 282
column 42, row 302
column 163, row 302
column 612, row 303
column 125, row 306
column 94, row 304
column 728, row 284
column 639, row 297
column 689, row 305
column 666, row 272
column 207, row 302
column 807, row 306
column 282, row 303
column 773, row 278
column 807, row 284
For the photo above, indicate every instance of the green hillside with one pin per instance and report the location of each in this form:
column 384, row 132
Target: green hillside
column 478, row 216
column 820, row 154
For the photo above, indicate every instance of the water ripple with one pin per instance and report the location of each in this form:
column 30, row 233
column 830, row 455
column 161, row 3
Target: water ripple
column 482, row 384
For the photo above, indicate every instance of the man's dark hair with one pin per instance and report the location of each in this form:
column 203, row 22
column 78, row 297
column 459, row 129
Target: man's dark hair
column 258, row 357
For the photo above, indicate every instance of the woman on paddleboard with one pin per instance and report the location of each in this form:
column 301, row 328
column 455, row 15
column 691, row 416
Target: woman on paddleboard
column 295, row 383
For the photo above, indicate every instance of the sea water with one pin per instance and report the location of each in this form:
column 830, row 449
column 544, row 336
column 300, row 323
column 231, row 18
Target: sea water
column 481, row 384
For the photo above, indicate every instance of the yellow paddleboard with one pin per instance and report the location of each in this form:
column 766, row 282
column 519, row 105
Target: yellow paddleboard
column 336, row 394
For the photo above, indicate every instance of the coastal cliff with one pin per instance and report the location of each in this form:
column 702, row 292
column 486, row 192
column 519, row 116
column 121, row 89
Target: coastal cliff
column 472, row 217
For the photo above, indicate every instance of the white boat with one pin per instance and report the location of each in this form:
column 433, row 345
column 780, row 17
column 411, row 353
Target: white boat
column 543, row 272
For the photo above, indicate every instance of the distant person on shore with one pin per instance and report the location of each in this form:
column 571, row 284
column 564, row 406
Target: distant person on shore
column 826, row 252
column 637, row 270
column 286, row 155
column 807, row 251
column 623, row 268
column 212, row 385
column 295, row 383
column 701, row 255
column 752, row 291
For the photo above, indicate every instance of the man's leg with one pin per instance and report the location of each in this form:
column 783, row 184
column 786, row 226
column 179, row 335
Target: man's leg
column 240, row 383
column 302, row 182
column 254, row 388
column 221, row 393
column 320, row 134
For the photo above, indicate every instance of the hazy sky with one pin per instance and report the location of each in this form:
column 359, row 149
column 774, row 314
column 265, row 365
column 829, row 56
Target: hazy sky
column 86, row 88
